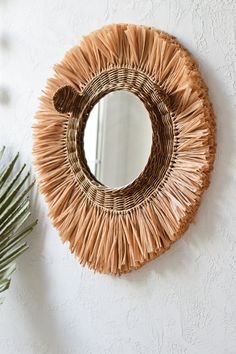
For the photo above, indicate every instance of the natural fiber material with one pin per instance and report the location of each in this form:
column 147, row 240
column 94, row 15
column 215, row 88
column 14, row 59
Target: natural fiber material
column 118, row 230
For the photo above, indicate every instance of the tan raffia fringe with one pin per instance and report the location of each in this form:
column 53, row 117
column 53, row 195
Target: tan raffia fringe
column 117, row 230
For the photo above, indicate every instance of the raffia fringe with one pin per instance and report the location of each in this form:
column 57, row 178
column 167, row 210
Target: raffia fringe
column 113, row 241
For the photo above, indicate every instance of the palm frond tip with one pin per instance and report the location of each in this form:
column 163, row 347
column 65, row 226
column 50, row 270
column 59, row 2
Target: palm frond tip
column 14, row 214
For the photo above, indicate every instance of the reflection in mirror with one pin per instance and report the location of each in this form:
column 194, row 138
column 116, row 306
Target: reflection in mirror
column 118, row 139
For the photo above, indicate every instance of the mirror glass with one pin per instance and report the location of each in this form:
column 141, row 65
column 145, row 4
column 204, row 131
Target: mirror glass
column 118, row 139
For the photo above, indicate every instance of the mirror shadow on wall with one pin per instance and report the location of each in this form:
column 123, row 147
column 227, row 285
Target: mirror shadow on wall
column 118, row 139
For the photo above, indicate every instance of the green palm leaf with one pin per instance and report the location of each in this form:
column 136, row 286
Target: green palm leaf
column 14, row 213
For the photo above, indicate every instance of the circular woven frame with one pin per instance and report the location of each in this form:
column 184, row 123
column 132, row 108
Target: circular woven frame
column 118, row 230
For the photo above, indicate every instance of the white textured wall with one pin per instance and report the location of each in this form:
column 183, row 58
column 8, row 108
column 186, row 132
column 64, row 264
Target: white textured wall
column 185, row 301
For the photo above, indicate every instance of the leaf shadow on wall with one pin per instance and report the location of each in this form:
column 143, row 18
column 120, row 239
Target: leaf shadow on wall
column 36, row 284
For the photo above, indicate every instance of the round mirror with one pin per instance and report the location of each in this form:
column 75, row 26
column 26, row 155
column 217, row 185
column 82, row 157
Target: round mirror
column 118, row 139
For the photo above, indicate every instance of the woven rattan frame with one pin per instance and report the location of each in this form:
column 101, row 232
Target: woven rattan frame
column 117, row 230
